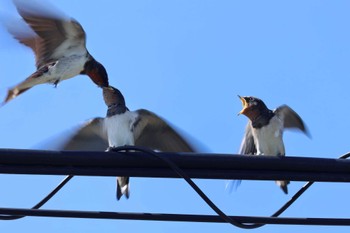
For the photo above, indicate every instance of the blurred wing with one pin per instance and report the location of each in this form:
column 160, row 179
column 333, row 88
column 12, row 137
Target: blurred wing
column 54, row 30
column 23, row 33
column 248, row 145
column 91, row 136
column 291, row 119
column 152, row 132
column 247, row 148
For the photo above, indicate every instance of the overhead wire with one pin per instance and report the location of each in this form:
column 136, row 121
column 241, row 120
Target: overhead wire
column 42, row 202
column 229, row 219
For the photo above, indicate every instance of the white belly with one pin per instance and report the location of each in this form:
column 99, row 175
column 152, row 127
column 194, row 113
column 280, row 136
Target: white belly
column 119, row 129
column 68, row 67
column 268, row 139
column 56, row 71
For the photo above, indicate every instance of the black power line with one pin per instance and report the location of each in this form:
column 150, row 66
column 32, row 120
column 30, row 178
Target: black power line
column 175, row 217
column 164, row 158
column 206, row 166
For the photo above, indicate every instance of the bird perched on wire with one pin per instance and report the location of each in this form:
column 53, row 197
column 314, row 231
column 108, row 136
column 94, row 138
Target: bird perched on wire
column 264, row 131
column 59, row 45
column 124, row 127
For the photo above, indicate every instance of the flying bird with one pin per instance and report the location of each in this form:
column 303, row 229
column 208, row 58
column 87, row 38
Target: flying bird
column 124, row 127
column 59, row 45
column 264, row 131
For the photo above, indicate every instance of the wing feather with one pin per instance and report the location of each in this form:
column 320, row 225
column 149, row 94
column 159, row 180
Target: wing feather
column 90, row 136
column 153, row 132
column 291, row 119
column 248, row 145
column 52, row 31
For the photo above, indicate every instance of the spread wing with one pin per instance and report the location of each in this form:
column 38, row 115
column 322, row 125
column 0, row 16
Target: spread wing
column 291, row 119
column 248, row 145
column 149, row 131
column 91, row 136
column 247, row 148
column 153, row 132
column 52, row 31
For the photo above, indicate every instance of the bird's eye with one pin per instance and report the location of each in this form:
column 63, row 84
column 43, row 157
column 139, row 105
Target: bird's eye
column 251, row 99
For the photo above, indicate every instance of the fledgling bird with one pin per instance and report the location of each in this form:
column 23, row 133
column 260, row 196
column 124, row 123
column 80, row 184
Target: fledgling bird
column 59, row 45
column 124, row 127
column 264, row 131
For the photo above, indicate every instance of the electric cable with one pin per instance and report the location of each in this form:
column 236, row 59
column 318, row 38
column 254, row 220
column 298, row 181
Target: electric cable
column 43, row 201
column 183, row 175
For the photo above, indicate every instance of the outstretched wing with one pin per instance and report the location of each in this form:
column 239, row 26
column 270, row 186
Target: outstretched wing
column 52, row 30
column 247, row 148
column 248, row 145
column 291, row 119
column 153, row 132
column 91, row 136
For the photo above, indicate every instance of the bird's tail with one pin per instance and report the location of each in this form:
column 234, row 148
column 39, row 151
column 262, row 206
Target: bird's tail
column 232, row 185
column 283, row 185
column 34, row 79
column 13, row 93
column 122, row 187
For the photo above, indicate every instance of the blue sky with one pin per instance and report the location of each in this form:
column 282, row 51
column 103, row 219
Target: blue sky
column 187, row 61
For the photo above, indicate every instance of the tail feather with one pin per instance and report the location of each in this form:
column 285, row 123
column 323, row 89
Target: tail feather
column 13, row 93
column 34, row 79
column 232, row 185
column 122, row 187
column 283, row 185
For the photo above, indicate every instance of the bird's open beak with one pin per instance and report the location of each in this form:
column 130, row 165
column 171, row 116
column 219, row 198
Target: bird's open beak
column 244, row 104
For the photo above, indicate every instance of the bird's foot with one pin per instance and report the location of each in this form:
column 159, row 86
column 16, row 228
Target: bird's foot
column 117, row 148
column 56, row 83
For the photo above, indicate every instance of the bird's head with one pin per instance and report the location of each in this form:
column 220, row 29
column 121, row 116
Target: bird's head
column 112, row 96
column 252, row 107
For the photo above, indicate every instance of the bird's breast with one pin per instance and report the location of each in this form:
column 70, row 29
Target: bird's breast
column 119, row 129
column 69, row 67
column 65, row 68
column 269, row 139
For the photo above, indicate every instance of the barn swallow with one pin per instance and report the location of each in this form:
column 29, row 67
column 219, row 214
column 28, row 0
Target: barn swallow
column 124, row 127
column 59, row 45
column 264, row 131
